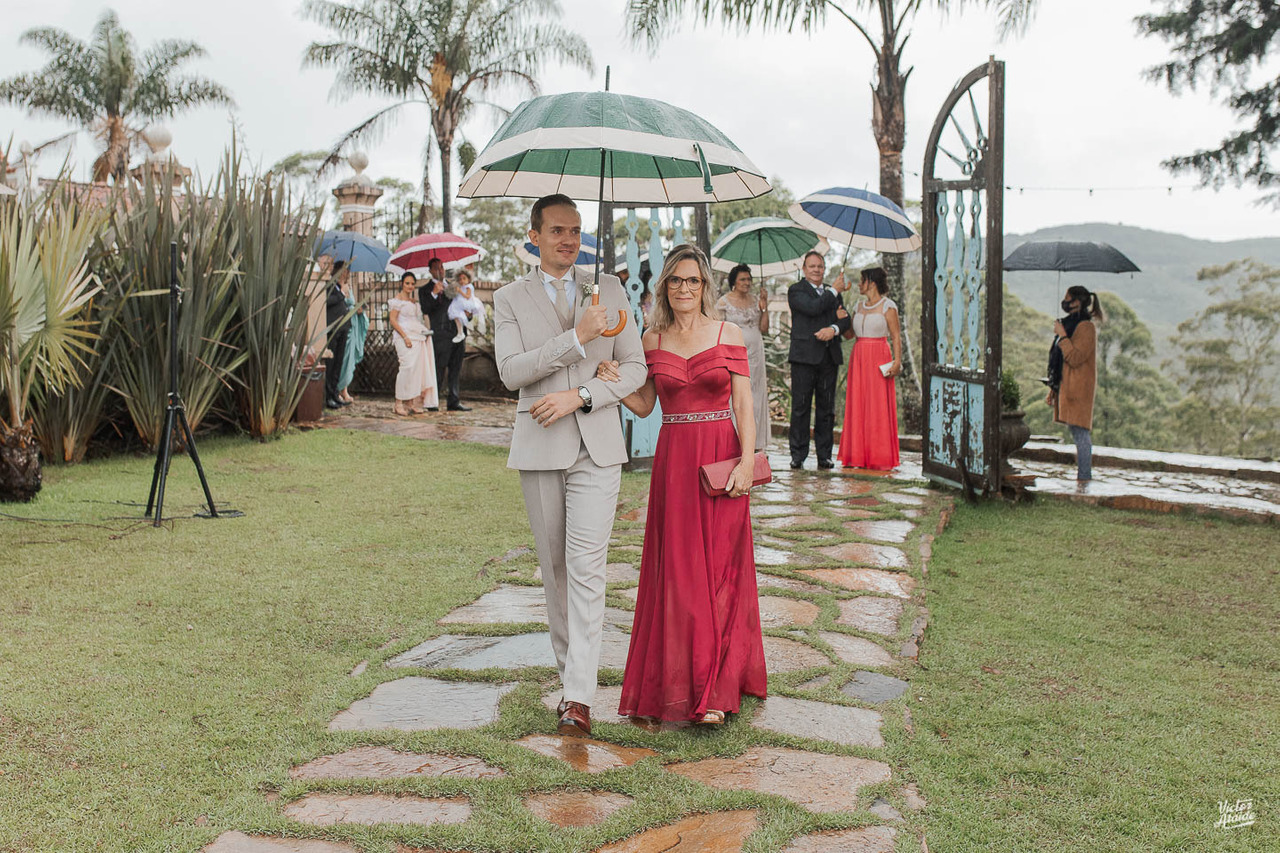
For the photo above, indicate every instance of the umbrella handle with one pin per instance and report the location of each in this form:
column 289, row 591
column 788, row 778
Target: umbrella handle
column 622, row 317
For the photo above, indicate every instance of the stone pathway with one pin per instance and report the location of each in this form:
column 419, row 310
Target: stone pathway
column 449, row 736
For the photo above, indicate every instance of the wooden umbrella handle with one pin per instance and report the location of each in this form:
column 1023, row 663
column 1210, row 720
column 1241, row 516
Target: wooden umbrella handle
column 622, row 317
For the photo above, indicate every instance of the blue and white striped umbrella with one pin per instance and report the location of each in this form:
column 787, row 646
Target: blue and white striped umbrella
column 857, row 218
column 586, row 259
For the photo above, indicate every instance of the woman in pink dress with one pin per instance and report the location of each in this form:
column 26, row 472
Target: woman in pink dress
column 696, row 643
column 869, row 438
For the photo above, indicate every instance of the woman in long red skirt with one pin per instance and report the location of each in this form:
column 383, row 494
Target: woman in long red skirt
column 869, row 438
column 696, row 643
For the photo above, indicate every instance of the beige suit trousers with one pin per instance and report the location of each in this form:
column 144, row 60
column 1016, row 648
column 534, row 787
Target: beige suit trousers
column 571, row 513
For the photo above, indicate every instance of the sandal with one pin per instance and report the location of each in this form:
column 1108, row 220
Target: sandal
column 710, row 718
column 400, row 410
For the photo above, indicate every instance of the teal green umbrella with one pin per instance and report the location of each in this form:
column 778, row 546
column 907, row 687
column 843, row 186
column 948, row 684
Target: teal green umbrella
column 652, row 154
column 767, row 245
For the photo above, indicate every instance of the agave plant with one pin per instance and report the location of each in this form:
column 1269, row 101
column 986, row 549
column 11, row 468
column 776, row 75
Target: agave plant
column 45, row 283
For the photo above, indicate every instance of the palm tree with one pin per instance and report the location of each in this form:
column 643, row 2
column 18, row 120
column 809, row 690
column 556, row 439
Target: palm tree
column 445, row 54
column 106, row 87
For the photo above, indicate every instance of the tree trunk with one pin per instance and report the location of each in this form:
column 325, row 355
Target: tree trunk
column 425, row 211
column 114, row 161
column 20, row 474
column 444, row 128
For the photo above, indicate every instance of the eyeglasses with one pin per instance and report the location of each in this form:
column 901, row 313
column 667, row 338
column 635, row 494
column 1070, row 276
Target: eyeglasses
column 691, row 284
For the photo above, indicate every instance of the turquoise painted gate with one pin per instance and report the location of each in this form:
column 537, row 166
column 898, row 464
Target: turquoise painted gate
column 962, row 313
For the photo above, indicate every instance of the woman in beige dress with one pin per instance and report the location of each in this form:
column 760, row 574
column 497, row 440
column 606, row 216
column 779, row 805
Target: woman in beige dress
column 751, row 314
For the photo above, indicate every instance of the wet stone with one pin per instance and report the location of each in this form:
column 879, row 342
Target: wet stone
column 785, row 522
column 880, row 556
column 583, row 754
column 419, row 704
column 373, row 809
column 871, row 613
column 779, row 612
column 718, row 832
column 576, row 808
column 881, row 531
column 603, row 710
column 621, row 573
column 856, row 650
column 897, row 584
column 380, row 762
column 847, row 487
column 820, row 783
column 865, row 839
column 883, row 809
column 473, row 652
column 238, row 842
column 915, row 490
column 637, row 514
column 766, row 556
column 911, row 513
column 768, row 510
column 819, row 720
column 874, row 687
column 504, row 604
column 765, row 580
column 783, row 655
column 902, row 500
column 850, row 512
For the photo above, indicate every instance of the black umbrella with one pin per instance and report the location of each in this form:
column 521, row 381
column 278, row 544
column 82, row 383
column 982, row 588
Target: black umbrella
column 1066, row 256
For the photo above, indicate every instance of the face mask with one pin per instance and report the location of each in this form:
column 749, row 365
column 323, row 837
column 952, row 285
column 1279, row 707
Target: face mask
column 1066, row 305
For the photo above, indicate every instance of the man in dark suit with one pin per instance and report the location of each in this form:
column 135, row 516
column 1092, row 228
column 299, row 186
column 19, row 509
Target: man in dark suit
column 434, row 299
column 816, row 355
column 335, row 312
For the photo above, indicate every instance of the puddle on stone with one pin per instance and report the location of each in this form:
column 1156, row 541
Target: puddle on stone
column 583, row 754
column 818, row 782
column 718, row 832
column 576, row 808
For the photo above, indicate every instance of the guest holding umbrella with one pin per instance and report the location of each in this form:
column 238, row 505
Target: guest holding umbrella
column 751, row 315
column 870, row 435
column 335, row 311
column 1073, row 372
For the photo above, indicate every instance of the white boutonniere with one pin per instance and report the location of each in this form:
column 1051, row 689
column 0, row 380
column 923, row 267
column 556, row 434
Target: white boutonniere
column 585, row 286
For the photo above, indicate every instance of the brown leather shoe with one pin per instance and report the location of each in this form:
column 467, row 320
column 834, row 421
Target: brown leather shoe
column 575, row 721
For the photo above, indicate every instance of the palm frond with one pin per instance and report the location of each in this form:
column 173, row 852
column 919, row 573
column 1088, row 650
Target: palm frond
column 372, row 129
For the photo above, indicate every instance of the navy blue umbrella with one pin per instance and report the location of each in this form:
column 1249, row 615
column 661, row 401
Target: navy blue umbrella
column 358, row 252
column 859, row 219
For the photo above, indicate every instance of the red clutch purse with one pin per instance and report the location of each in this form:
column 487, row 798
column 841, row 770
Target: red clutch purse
column 715, row 475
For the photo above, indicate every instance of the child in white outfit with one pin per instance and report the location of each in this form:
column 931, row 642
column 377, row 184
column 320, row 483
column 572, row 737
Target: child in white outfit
column 463, row 309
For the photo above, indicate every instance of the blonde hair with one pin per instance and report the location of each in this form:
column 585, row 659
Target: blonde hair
column 660, row 315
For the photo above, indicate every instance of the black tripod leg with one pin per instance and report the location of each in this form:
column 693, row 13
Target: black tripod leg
column 195, row 457
column 156, row 478
column 166, row 448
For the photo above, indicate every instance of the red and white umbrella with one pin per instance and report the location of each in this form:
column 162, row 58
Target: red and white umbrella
column 414, row 254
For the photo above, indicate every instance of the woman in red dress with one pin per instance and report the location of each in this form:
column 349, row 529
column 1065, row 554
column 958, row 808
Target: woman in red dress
column 696, row 644
column 869, row 438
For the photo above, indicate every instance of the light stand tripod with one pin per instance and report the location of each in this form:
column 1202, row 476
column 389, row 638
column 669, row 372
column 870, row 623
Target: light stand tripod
column 175, row 411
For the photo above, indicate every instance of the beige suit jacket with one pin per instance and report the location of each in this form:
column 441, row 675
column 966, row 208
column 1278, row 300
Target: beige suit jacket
column 536, row 356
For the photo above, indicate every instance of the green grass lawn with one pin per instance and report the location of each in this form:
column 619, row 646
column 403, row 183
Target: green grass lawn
column 1098, row 681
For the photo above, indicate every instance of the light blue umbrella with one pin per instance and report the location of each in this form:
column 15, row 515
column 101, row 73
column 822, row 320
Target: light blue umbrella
column 586, row 253
column 358, row 252
column 858, row 218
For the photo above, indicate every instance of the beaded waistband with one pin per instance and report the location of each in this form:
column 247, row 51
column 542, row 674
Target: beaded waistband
column 695, row 417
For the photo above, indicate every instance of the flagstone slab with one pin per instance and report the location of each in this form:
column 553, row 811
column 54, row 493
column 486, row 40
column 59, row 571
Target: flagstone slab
column 640, row 513
column 820, row 783
column 879, row 556
column 815, row 683
column 504, row 604
column 576, row 808
column 856, row 650
column 767, row 510
column 779, row 612
column 766, row 556
column 783, row 655
column 820, row 720
column 902, row 500
column 765, row 580
column 419, row 704
column 632, row 593
column 850, row 512
column 718, row 832
column 874, row 687
column 324, row 809
column 621, row 573
column 455, row 651
column 846, row 487
column 898, row 584
column 866, row 839
column 238, row 842
column 380, row 762
column 911, row 513
column 884, row 809
column 881, row 531
column 870, row 613
column 785, row 522
column 584, row 754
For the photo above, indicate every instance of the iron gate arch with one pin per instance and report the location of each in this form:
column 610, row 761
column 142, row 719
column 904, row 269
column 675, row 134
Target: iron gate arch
column 962, row 309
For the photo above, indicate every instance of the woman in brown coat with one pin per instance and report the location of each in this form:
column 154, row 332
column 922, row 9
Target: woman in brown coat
column 1073, row 372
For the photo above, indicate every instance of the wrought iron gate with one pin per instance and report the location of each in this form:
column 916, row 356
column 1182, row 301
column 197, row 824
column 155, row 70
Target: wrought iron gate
column 962, row 305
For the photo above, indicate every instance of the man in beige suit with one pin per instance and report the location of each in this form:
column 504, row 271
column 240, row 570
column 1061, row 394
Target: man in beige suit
column 568, row 442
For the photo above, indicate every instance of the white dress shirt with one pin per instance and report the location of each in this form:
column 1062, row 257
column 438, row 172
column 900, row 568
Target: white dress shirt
column 569, row 285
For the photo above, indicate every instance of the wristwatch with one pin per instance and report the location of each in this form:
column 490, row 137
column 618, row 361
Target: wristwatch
column 585, row 396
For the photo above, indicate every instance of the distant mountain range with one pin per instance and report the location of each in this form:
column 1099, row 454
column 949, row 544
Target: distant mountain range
column 1164, row 294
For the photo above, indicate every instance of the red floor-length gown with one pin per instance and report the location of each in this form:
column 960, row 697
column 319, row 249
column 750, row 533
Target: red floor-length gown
column 869, row 437
column 696, row 643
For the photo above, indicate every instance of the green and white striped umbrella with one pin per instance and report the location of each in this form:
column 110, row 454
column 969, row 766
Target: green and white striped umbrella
column 769, row 246
column 654, row 153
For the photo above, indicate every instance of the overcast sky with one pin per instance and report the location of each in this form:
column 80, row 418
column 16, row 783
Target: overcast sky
column 1079, row 113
